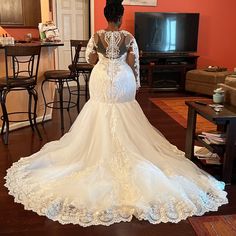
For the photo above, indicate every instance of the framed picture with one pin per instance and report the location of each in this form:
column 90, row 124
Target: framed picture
column 140, row 2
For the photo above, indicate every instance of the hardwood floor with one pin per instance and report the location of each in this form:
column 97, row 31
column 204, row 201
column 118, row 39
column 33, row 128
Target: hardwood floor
column 14, row 220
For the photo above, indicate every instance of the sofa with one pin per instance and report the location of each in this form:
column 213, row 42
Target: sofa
column 229, row 87
column 204, row 82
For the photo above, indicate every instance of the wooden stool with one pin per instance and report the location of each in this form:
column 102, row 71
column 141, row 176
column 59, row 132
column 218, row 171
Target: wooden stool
column 21, row 74
column 82, row 67
column 60, row 77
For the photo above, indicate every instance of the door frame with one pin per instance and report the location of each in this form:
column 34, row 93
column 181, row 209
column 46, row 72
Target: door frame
column 91, row 17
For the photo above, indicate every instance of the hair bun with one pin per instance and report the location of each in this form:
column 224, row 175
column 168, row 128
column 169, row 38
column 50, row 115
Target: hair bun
column 114, row 2
column 114, row 10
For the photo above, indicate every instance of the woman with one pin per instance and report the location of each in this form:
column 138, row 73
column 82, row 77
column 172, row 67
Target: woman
column 112, row 164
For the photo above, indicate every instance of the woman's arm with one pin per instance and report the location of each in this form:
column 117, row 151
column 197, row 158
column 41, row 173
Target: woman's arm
column 91, row 50
column 133, row 59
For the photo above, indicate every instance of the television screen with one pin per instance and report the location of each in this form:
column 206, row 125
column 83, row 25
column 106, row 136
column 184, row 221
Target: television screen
column 166, row 32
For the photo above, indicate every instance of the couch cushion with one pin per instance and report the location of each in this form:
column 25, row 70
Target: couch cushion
column 230, row 80
column 207, row 77
column 199, row 87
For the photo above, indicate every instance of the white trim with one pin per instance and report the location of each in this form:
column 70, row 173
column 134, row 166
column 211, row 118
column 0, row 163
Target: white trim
column 54, row 17
column 92, row 16
column 54, row 11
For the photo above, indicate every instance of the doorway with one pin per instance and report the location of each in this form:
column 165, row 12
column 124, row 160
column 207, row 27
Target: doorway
column 73, row 21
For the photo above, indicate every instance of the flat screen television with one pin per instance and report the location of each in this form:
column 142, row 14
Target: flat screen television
column 164, row 32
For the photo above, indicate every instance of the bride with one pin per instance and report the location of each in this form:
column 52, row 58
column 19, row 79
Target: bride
column 113, row 164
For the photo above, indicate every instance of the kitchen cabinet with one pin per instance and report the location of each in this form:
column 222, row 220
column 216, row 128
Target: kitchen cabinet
column 11, row 12
column 20, row 13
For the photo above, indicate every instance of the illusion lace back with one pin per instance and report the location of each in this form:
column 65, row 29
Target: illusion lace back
column 113, row 164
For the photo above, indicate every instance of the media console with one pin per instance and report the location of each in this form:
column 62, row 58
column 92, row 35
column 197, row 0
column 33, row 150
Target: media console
column 166, row 71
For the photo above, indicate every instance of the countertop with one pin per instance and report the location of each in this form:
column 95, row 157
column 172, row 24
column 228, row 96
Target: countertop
column 46, row 44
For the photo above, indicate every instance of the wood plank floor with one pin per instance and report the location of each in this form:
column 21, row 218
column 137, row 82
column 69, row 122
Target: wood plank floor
column 14, row 220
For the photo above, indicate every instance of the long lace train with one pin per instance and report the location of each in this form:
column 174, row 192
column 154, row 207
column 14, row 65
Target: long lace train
column 117, row 168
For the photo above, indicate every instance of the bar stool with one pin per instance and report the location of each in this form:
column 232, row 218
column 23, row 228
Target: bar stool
column 21, row 74
column 61, row 77
column 82, row 67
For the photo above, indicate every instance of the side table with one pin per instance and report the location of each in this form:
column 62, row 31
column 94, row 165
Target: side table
column 227, row 119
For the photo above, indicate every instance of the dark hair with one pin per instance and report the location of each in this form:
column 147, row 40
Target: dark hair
column 113, row 10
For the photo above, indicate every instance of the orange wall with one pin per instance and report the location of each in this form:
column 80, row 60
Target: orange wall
column 19, row 33
column 217, row 29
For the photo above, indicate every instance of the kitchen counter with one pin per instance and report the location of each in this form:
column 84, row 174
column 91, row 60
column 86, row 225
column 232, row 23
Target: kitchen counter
column 45, row 44
column 18, row 101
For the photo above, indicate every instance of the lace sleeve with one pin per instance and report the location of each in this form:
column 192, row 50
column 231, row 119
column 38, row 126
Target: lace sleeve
column 91, row 51
column 134, row 61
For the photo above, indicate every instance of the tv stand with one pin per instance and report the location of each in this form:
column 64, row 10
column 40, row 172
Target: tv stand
column 166, row 71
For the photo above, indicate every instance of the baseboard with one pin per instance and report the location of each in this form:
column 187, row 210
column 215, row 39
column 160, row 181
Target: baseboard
column 19, row 125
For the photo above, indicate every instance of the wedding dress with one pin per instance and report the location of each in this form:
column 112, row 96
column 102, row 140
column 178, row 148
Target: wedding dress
column 113, row 164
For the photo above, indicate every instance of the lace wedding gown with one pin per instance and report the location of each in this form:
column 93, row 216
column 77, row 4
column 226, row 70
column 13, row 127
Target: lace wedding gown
column 113, row 164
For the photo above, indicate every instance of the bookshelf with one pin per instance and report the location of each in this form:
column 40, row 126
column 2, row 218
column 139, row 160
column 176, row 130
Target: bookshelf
column 214, row 148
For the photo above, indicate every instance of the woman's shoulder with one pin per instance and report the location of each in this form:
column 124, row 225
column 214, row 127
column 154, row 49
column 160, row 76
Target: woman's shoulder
column 99, row 32
column 128, row 37
column 127, row 33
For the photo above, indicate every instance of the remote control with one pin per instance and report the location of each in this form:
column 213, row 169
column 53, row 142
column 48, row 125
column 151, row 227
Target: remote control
column 201, row 103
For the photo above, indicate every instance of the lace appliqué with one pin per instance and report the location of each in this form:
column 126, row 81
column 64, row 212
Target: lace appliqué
column 112, row 39
column 120, row 162
column 44, row 202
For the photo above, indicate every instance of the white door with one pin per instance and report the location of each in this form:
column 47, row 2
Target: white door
column 73, row 23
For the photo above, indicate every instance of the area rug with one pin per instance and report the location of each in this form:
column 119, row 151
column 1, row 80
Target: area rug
column 214, row 225
column 177, row 110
